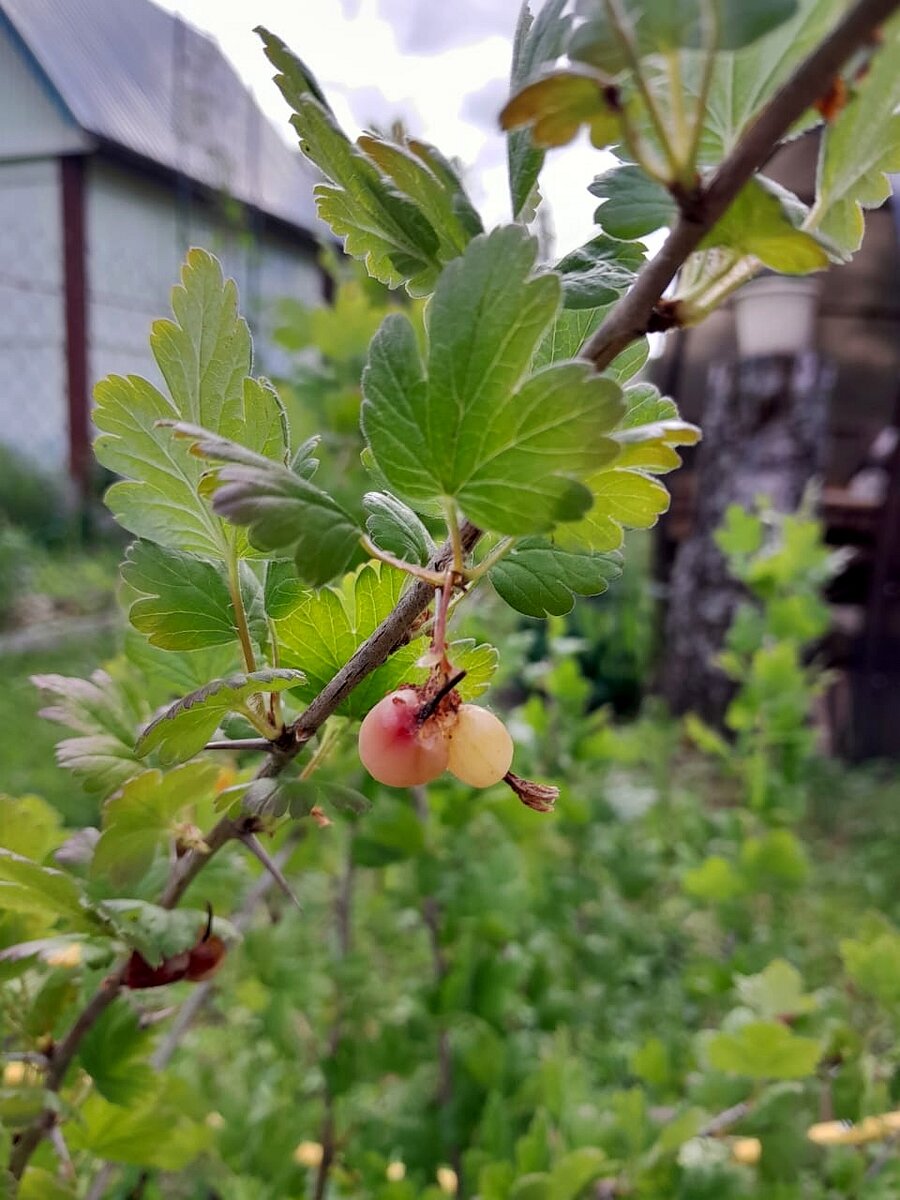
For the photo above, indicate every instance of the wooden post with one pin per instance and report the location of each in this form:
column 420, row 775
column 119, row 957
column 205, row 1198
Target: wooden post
column 75, row 301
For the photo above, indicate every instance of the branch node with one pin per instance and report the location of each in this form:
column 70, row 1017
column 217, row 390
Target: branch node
column 666, row 315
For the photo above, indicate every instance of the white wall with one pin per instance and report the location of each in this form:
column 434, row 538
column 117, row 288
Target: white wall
column 136, row 235
column 34, row 122
column 32, row 322
column 137, row 231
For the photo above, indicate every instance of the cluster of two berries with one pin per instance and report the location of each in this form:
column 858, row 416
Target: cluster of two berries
column 415, row 734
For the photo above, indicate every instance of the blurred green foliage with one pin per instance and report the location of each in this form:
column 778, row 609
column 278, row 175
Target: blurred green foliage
column 31, row 500
column 478, row 996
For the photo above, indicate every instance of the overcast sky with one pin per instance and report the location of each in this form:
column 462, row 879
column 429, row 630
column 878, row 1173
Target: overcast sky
column 440, row 65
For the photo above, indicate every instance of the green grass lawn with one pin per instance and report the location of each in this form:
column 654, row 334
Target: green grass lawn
column 27, row 742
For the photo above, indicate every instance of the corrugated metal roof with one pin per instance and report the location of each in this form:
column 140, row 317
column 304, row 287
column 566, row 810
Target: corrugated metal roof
column 139, row 77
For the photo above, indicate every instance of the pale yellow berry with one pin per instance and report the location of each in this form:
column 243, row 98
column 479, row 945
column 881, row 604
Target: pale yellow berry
column 396, row 1171
column 447, row 1180
column 68, row 956
column 309, row 1154
column 480, row 748
column 746, row 1151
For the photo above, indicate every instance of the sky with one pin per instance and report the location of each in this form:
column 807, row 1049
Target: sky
column 440, row 65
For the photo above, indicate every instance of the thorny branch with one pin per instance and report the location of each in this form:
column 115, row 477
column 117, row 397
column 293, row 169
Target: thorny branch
column 630, row 319
column 634, row 315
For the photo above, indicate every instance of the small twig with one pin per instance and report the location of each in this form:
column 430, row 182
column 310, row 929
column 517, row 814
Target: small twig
column 240, row 616
column 259, row 852
column 401, row 564
column 240, row 744
column 725, row 1119
column 452, row 519
column 631, row 316
column 443, row 597
column 58, row 1142
column 98, row 1188
column 490, row 560
column 619, row 22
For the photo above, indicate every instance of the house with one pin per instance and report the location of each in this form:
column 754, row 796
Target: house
column 126, row 137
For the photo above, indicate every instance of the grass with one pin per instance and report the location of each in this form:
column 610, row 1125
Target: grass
column 27, row 742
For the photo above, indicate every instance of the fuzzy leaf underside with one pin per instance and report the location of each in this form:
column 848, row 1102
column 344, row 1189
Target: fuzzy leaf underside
column 283, row 511
column 184, row 728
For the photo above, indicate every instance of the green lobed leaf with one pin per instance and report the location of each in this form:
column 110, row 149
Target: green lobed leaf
column 764, row 1050
column 40, row 1184
column 626, row 496
column 554, row 107
column 204, row 355
column 322, row 632
column 741, row 533
column 872, row 961
column 540, row 579
column 599, row 272
column 364, row 205
column 184, row 729
column 282, row 510
column 106, row 715
column 276, row 797
column 745, row 81
column 26, row 886
column 568, row 333
column 137, row 820
column 860, row 149
column 111, row 1054
column 30, row 826
column 153, row 1134
column 158, row 933
column 572, row 1172
column 775, row 993
column 421, row 173
column 623, row 499
column 663, row 26
column 764, row 221
column 506, row 446
column 478, row 659
column 284, row 590
column 571, row 329
column 633, row 203
column 538, row 41
column 394, row 527
column 165, row 675
column 185, row 603
column 650, row 431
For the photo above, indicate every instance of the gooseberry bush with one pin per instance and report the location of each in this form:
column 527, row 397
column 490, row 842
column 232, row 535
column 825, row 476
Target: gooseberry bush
column 506, row 446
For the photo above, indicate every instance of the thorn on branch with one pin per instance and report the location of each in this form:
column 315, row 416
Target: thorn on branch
column 259, row 852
